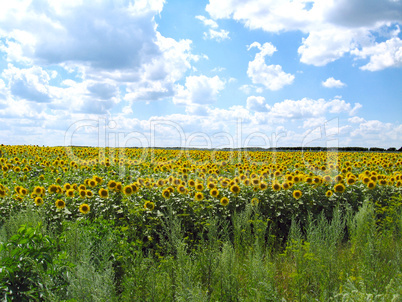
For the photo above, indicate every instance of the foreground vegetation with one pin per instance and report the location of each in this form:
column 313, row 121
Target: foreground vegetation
column 88, row 224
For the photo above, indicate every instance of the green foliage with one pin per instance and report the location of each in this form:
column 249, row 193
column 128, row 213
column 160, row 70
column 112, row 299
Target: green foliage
column 30, row 267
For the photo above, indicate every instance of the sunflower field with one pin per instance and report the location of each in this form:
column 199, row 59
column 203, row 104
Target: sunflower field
column 105, row 224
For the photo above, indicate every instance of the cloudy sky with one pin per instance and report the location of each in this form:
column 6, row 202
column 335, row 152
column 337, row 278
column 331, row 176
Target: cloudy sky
column 217, row 73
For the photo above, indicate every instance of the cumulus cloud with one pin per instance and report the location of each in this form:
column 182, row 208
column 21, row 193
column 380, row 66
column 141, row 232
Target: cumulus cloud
column 199, row 90
column 382, row 55
column 332, row 83
column 213, row 32
column 102, row 41
column 271, row 76
column 333, row 28
column 257, row 103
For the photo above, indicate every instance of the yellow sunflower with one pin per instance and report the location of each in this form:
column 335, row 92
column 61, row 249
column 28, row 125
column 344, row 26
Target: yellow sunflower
column 224, row 201
column 297, row 194
column 103, row 193
column 149, row 205
column 166, row 193
column 60, row 204
column 339, row 188
column 85, row 208
column 276, row 186
column 127, row 190
column 39, row 201
column 371, row 185
column 199, row 196
column 235, row 189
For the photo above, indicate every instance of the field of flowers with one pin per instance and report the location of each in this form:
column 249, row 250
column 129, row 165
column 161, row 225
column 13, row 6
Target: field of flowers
column 166, row 205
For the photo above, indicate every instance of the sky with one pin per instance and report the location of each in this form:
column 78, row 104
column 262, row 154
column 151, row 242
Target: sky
column 201, row 74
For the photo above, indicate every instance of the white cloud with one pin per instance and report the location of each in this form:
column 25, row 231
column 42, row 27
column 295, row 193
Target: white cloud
column 332, row 83
column 334, row 28
column 207, row 22
column 382, row 55
column 100, row 41
column 257, row 103
column 356, row 120
column 324, row 46
column 271, row 76
column 213, row 32
column 199, row 90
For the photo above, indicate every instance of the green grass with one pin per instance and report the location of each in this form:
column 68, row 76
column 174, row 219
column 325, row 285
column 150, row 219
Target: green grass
column 352, row 257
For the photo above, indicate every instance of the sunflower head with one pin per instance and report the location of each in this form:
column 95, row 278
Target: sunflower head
column 82, row 193
column 199, row 196
column 214, row 192
column 276, row 187
column 39, row 201
column 371, row 185
column 70, row 193
column 127, row 190
column 149, row 205
column 166, row 193
column 103, row 193
column 224, row 201
column 60, row 204
column 297, row 194
column 339, row 188
column 199, row 187
column 235, row 189
column 254, row 201
column 84, row 208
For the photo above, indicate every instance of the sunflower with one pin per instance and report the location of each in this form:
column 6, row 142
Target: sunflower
column 84, row 208
column 119, row 187
column 103, row 193
column 297, row 194
column 329, row 193
column 285, row 185
column 17, row 189
column 214, row 192
column 92, row 183
column 350, row 181
column 98, row 179
column 53, row 189
column 160, row 183
column 327, row 179
column 211, row 185
column 66, row 186
column 127, row 190
column 37, row 190
column 371, row 185
column 235, row 189
column 199, row 196
column 339, row 188
column 70, row 193
column 82, row 193
column 276, row 187
column 254, row 201
column 60, row 204
column 191, row 183
column 111, row 184
column 149, row 205
column 182, row 189
column 39, row 201
column 166, row 193
column 81, row 187
column 263, row 185
column 199, row 187
column 224, row 201
column 2, row 193
column 134, row 187
column 89, row 193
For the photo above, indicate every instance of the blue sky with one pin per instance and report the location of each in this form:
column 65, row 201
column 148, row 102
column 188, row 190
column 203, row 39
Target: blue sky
column 217, row 73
